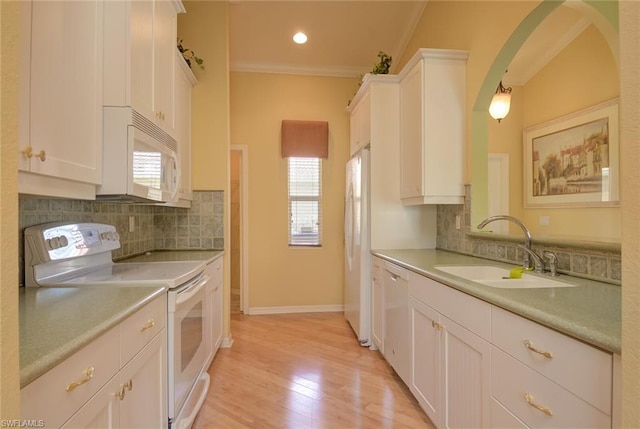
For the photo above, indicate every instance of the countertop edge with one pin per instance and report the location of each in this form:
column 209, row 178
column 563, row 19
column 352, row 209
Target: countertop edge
column 585, row 334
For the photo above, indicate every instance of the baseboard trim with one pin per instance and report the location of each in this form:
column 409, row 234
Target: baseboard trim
column 296, row 309
column 227, row 342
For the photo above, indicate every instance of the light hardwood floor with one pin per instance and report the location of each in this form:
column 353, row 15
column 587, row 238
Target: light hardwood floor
column 304, row 371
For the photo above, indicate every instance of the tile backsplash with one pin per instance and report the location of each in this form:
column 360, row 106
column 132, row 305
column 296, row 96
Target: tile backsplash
column 155, row 227
column 602, row 263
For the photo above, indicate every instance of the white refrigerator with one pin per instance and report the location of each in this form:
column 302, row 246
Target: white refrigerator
column 357, row 289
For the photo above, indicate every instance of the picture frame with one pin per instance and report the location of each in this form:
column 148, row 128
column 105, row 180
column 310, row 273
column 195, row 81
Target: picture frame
column 573, row 161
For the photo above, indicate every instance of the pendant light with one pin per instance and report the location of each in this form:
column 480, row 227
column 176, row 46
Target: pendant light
column 500, row 103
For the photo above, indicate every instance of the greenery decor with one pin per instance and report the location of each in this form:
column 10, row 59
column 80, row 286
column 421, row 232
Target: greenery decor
column 190, row 56
column 384, row 65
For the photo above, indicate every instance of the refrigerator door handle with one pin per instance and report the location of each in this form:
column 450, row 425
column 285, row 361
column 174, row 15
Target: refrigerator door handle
column 348, row 227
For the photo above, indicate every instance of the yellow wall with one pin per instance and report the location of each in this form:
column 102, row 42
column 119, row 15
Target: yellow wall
column 279, row 275
column 9, row 352
column 582, row 75
column 204, row 29
column 557, row 90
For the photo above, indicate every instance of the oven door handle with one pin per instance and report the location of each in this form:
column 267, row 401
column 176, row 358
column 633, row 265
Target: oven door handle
column 187, row 293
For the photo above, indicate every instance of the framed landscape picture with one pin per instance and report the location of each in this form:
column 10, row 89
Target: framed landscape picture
column 573, row 160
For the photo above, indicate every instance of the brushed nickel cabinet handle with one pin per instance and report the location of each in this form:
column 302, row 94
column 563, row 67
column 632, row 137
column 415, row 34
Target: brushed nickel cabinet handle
column 529, row 398
column 88, row 375
column 528, row 344
column 150, row 324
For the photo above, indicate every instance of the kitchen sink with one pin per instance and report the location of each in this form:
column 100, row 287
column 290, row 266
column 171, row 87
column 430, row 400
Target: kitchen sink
column 498, row 277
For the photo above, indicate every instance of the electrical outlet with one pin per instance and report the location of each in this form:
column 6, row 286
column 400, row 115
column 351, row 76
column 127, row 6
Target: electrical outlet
column 457, row 221
column 544, row 220
column 132, row 223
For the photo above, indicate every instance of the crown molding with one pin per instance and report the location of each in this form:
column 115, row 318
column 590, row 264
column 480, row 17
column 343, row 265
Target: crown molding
column 351, row 72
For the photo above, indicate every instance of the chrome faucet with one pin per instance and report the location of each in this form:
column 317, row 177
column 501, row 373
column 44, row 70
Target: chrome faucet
column 526, row 261
column 538, row 265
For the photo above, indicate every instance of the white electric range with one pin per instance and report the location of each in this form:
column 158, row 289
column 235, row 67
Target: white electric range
column 80, row 255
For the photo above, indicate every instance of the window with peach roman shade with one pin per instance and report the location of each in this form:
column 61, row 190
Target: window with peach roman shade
column 304, row 144
column 305, row 139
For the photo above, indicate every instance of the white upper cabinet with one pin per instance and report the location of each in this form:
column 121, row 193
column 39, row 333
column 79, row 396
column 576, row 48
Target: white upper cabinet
column 140, row 66
column 432, row 127
column 61, row 97
column 185, row 80
column 360, row 124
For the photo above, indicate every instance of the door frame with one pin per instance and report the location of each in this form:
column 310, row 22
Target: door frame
column 244, row 229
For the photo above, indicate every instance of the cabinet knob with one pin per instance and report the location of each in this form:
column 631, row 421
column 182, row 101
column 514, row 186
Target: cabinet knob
column 28, row 152
column 88, row 375
column 122, row 392
column 528, row 344
column 150, row 324
column 529, row 398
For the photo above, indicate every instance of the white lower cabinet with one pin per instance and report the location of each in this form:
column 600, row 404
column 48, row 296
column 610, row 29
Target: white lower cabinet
column 117, row 381
column 377, row 303
column 475, row 365
column 450, row 364
column 215, row 306
column 396, row 317
column 547, row 379
column 130, row 399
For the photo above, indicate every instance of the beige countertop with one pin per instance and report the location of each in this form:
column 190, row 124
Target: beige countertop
column 590, row 312
column 56, row 322
column 176, row 255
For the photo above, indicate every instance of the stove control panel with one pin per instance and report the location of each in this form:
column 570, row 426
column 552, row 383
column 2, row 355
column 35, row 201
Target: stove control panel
column 57, row 241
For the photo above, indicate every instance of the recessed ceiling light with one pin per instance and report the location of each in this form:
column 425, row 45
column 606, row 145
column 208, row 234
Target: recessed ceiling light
column 300, row 38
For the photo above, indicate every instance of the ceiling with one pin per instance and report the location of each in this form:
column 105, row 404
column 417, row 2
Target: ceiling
column 345, row 36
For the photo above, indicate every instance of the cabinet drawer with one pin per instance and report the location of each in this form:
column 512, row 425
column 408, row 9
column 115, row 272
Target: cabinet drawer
column 141, row 327
column 470, row 312
column 53, row 397
column 511, row 380
column 503, row 418
column 569, row 359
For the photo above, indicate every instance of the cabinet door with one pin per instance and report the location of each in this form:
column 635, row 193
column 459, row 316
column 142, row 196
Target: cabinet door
column 217, row 306
column 426, row 358
column 144, row 383
column 101, row 412
column 63, row 101
column 360, row 124
column 142, row 63
column 377, row 306
column 467, row 375
column 396, row 316
column 164, row 48
column 411, row 132
column 184, row 83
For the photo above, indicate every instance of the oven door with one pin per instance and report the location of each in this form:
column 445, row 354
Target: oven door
column 187, row 343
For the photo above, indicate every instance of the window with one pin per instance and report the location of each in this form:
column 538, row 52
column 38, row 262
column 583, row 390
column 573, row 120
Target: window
column 305, row 201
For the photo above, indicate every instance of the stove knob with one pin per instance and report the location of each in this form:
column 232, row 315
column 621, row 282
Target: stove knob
column 116, row 236
column 48, row 244
column 64, row 242
column 104, row 236
column 54, row 243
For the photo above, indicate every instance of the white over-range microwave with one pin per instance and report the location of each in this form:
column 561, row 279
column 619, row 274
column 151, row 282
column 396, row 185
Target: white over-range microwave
column 140, row 160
